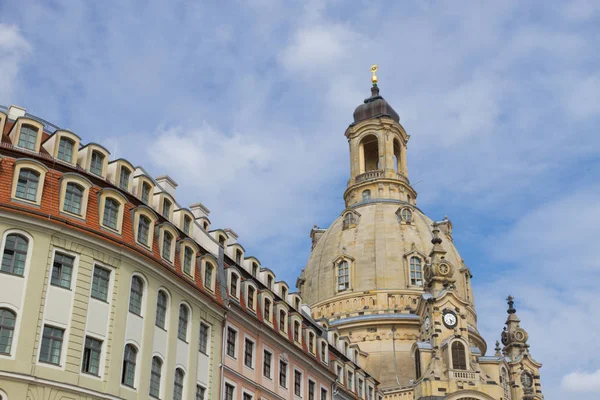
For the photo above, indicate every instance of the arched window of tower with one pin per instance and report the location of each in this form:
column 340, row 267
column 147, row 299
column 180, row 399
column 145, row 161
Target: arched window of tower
column 366, row 195
column 369, row 150
column 459, row 359
column 397, row 161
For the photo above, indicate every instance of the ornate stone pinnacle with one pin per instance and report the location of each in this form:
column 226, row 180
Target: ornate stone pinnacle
column 511, row 303
column 436, row 234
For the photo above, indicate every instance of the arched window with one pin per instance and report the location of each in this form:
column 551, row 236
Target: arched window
column 136, row 295
column 184, row 315
column 166, row 247
column 406, row 215
column 129, row 361
column 145, row 192
column 267, row 310
column 238, row 257
column 161, row 309
column 417, row 364
column 65, row 149
column 282, row 318
column 187, row 225
column 416, row 272
column 370, row 153
column 459, row 358
column 111, row 213
column 166, row 211
column 343, row 275
column 187, row 260
column 73, row 198
column 97, row 163
column 15, row 254
column 7, row 329
column 251, row 295
column 254, row 269
column 208, row 276
column 155, row 375
column 28, row 137
column 124, row 178
column 143, row 230
column 505, row 383
column 366, row 195
column 178, row 384
column 349, row 220
column 397, row 161
column 233, row 285
column 297, row 331
column 27, row 184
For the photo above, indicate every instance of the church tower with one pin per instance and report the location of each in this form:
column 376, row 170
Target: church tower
column 392, row 283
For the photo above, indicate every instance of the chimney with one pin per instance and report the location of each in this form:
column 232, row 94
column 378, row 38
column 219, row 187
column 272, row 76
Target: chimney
column 167, row 184
column 15, row 112
column 199, row 210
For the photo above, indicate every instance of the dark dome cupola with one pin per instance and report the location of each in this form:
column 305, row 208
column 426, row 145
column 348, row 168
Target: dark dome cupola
column 375, row 107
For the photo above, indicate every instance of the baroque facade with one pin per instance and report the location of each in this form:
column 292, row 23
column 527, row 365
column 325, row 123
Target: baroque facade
column 390, row 279
column 109, row 289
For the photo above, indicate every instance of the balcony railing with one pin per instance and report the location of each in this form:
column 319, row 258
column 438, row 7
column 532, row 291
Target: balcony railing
column 369, row 175
column 462, row 375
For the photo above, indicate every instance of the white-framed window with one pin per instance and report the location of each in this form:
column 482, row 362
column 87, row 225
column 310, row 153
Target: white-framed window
column 297, row 330
column 62, row 270
column 136, row 295
column 66, row 147
column 267, row 309
column 155, row 377
column 28, row 181
column 184, row 317
column 229, row 391
column 234, row 279
column 267, row 363
column 92, row 355
column 28, row 138
column 14, row 254
column 249, row 346
column 209, row 274
column 312, row 390
column 311, row 342
column 282, row 320
column 343, row 275
column 178, row 384
column 231, row 343
column 52, row 345
column 27, row 185
column 128, row 373
column 350, row 380
column 200, row 392
column 204, row 341
column 162, row 309
column 97, row 163
column 124, row 176
column 188, row 260
column 166, row 208
column 416, row 271
column 251, row 297
column 8, row 320
column 283, row 373
column 145, row 192
column 324, row 394
column 298, row 383
column 100, row 283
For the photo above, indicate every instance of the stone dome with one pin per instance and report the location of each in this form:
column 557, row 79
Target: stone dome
column 379, row 247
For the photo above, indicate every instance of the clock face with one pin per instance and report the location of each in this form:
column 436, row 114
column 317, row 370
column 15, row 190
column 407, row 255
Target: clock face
column 450, row 319
column 427, row 323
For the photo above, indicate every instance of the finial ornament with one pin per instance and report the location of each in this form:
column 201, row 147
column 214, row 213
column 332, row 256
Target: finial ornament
column 374, row 69
column 511, row 304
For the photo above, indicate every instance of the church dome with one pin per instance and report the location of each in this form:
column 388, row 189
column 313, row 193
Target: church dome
column 378, row 245
column 375, row 106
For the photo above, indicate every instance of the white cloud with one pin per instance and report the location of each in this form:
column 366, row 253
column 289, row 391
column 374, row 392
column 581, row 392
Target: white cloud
column 583, row 382
column 13, row 50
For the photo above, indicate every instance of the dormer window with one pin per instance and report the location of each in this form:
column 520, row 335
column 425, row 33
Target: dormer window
column 208, row 276
column 233, row 285
column 297, row 303
column 166, row 211
column 349, row 220
column 187, row 224
column 283, row 293
column 366, row 195
column 222, row 240
column 27, row 185
column 254, row 269
column 238, row 257
column 166, row 249
column 187, row 260
column 143, row 230
column 65, row 150
column 145, row 192
column 267, row 310
column 251, row 295
column 96, row 164
column 111, row 213
column 323, row 352
column 124, row 178
column 28, row 137
column 270, row 282
column 297, row 331
column 282, row 318
column 416, row 272
column 311, row 342
column 406, row 215
column 73, row 198
column 343, row 276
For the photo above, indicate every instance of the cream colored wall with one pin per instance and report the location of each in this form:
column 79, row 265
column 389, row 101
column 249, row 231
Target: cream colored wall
column 17, row 374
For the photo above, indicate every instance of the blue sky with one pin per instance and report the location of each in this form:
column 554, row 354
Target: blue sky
column 245, row 105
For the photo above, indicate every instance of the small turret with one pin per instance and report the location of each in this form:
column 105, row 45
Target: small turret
column 438, row 272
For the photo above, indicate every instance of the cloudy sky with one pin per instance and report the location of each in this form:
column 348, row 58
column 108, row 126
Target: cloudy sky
column 245, row 105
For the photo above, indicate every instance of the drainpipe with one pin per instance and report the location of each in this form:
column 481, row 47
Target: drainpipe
column 222, row 365
column 394, row 349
